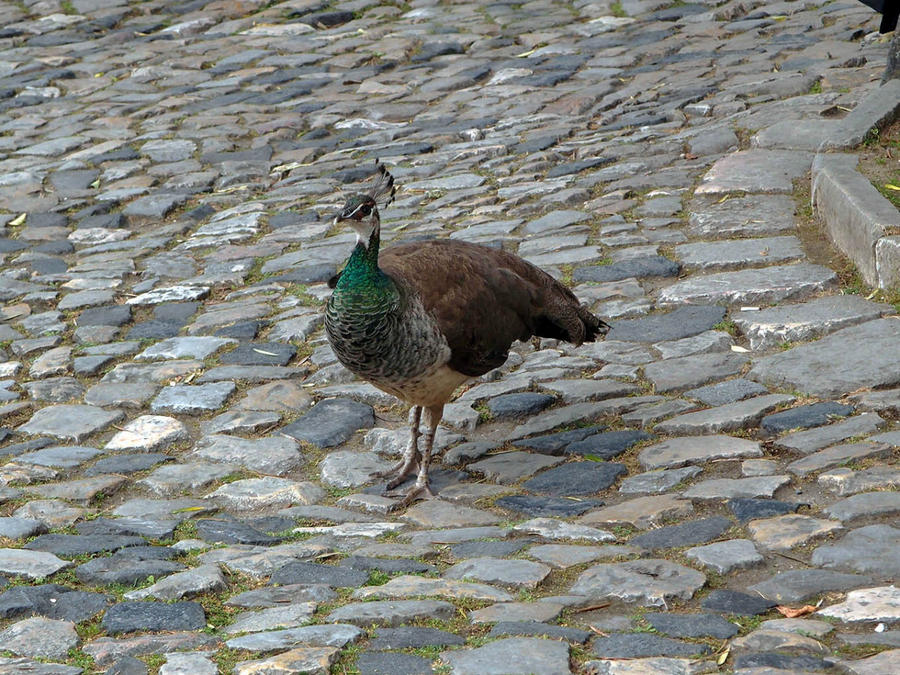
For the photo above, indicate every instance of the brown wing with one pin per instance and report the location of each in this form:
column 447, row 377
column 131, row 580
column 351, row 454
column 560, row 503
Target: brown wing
column 485, row 298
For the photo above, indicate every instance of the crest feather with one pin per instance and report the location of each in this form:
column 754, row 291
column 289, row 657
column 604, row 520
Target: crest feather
column 384, row 184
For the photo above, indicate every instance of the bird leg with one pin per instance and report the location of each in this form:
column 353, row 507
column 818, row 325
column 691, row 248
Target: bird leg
column 420, row 488
column 410, row 459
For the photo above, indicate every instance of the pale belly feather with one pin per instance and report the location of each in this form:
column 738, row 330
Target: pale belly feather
column 433, row 387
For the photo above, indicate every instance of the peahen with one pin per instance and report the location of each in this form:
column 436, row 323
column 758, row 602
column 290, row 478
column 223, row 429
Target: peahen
column 422, row 318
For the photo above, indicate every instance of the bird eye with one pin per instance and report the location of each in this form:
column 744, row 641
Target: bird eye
column 365, row 209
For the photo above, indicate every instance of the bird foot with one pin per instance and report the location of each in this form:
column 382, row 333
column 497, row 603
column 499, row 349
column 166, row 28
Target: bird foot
column 397, row 473
column 415, row 493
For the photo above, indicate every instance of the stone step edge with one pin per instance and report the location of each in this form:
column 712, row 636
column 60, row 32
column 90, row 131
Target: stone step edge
column 858, row 220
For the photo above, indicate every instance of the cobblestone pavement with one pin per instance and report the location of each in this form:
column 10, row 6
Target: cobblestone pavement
column 185, row 480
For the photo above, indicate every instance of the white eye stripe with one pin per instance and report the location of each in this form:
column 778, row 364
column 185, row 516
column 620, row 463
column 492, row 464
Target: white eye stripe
column 353, row 212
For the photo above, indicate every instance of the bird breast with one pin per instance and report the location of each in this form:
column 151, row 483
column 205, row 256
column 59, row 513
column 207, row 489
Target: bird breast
column 395, row 347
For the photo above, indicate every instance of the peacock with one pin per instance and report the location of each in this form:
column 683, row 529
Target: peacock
column 417, row 320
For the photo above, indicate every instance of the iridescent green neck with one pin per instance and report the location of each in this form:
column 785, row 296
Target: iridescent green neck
column 362, row 274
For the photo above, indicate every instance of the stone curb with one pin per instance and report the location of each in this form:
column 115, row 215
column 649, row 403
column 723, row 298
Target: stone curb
column 858, row 219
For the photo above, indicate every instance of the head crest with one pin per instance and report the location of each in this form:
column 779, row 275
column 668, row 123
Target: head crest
column 384, row 185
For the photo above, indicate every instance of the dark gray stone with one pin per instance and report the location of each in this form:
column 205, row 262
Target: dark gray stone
column 272, row 524
column 331, row 422
column 840, row 454
column 299, row 572
column 244, row 330
column 232, row 532
column 117, row 315
column 277, row 596
column 691, row 371
column 751, row 509
column 680, row 323
column 175, row 312
column 555, row 507
column 569, row 168
column 555, row 220
column 149, row 552
column 77, row 544
column 686, row 534
column 123, row 570
column 530, row 655
column 53, row 601
column 608, row 444
column 55, row 389
column 103, row 220
column 538, row 629
column 784, row 663
column 387, row 663
column 510, row 406
column 428, row 51
column 391, row 612
column 16, row 449
column 128, row 665
column 126, row 464
column 492, row 549
column 77, row 606
column 871, row 549
column 554, row 444
column 638, row 645
column 729, row 391
column 891, row 638
column 155, row 206
column 259, row 354
column 576, row 478
column 865, row 505
column 59, row 456
column 734, row 602
column 652, row 266
column 387, row 565
column 153, row 329
column 805, row 416
column 129, row 617
column 413, row 637
column 12, row 527
column 692, row 625
column 151, row 527
column 659, row 481
column 800, row 585
column 91, row 365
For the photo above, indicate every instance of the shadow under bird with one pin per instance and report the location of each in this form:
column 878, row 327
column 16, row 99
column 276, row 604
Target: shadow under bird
column 418, row 320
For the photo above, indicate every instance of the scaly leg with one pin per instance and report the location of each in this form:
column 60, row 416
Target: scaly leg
column 420, row 489
column 410, row 459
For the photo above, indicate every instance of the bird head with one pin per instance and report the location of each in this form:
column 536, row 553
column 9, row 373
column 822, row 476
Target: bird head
column 360, row 210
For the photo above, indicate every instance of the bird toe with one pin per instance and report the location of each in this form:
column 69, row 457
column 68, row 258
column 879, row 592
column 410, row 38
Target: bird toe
column 415, row 493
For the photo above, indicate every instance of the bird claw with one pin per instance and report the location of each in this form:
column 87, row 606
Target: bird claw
column 397, row 473
column 415, row 493
column 400, row 478
column 387, row 473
